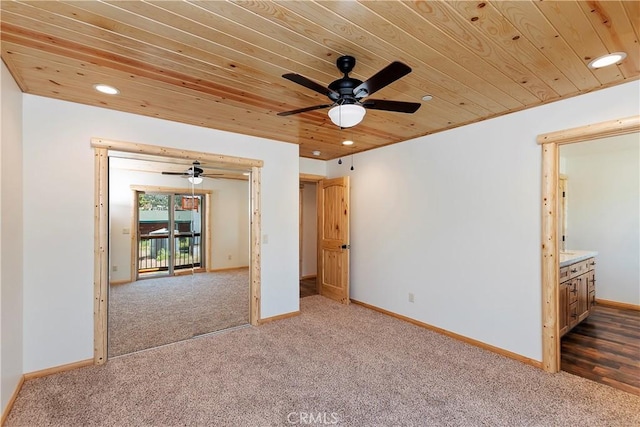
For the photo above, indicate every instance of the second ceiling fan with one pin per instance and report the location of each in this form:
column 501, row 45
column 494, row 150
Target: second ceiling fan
column 348, row 94
column 194, row 174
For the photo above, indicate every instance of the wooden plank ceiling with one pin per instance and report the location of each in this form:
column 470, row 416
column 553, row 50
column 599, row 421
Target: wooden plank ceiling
column 219, row 64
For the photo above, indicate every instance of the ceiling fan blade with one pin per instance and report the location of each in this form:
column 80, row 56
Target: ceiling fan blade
column 302, row 110
column 382, row 78
column 397, row 106
column 173, row 173
column 310, row 84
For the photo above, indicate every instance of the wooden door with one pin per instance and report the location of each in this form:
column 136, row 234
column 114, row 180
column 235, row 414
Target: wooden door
column 591, row 288
column 333, row 238
column 583, row 297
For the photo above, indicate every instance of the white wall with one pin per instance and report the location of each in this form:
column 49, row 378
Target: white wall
column 309, row 230
column 454, row 218
column 604, row 211
column 229, row 215
column 58, row 217
column 11, row 226
column 230, row 209
column 313, row 166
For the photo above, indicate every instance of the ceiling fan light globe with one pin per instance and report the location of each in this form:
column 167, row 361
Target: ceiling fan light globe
column 347, row 115
column 195, row 180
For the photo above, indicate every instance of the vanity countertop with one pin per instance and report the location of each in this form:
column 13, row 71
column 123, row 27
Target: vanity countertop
column 570, row 256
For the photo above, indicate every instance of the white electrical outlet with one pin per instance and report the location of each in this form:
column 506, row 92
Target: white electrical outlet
column 114, row 268
column 229, row 257
column 410, row 297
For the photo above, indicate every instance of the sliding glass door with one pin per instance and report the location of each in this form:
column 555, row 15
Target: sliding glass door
column 169, row 233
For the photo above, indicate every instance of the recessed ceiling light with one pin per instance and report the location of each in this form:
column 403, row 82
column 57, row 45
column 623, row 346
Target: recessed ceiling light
column 109, row 90
column 347, row 142
column 427, row 98
column 606, row 60
column 316, row 153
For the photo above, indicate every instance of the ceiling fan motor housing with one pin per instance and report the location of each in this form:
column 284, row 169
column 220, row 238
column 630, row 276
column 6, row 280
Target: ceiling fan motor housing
column 194, row 170
column 343, row 87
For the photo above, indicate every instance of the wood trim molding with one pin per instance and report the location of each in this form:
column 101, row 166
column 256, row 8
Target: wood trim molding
column 167, row 190
column 101, row 261
column 119, row 282
column 256, row 248
column 219, row 270
column 594, row 131
column 12, row 400
column 307, row 177
column 58, row 369
column 176, row 153
column 280, row 317
column 309, row 276
column 133, row 237
column 616, row 304
column 550, row 263
column 453, row 335
column 208, row 237
column 550, row 143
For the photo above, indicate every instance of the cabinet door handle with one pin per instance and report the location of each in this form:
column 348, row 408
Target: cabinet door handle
column 593, row 263
column 574, row 291
column 574, row 270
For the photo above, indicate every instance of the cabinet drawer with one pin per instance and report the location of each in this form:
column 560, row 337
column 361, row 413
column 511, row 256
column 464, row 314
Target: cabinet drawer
column 591, row 283
column 591, row 264
column 578, row 268
column 565, row 274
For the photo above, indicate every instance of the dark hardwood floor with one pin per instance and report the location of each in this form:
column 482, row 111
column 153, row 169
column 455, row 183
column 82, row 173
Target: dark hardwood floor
column 605, row 348
column 308, row 287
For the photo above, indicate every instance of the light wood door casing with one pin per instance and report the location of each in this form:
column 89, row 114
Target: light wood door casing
column 562, row 212
column 333, row 238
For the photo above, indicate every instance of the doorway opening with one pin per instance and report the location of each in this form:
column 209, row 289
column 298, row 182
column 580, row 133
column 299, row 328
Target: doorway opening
column 105, row 149
column 550, row 224
column 308, row 234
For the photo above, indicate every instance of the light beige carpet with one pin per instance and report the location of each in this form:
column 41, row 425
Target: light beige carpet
column 342, row 365
column 157, row 311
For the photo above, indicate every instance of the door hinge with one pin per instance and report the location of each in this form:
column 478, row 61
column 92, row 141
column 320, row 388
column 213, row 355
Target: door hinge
column 346, row 246
column 563, row 194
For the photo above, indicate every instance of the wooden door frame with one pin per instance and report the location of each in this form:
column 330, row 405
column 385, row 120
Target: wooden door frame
column 550, row 258
column 102, row 147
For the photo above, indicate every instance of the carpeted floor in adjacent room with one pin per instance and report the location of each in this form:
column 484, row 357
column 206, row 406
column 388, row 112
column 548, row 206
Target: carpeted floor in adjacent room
column 161, row 310
column 343, row 365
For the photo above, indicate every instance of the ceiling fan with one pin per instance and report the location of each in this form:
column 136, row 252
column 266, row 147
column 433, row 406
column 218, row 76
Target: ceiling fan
column 194, row 173
column 348, row 94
